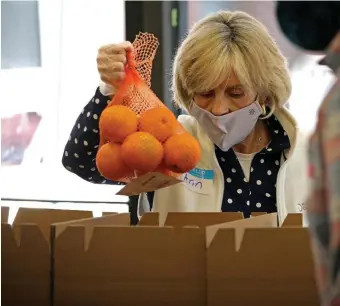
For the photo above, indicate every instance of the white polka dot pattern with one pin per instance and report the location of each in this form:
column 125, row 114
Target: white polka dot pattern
column 82, row 144
column 258, row 193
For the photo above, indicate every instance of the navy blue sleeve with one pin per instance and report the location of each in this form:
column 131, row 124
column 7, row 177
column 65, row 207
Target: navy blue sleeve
column 81, row 149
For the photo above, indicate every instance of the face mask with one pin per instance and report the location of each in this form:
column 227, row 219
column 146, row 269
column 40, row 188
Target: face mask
column 230, row 129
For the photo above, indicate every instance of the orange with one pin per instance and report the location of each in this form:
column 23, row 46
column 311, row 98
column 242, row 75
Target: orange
column 182, row 152
column 117, row 122
column 162, row 168
column 142, row 152
column 159, row 121
column 110, row 163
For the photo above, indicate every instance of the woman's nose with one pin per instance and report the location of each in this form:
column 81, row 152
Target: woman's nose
column 220, row 107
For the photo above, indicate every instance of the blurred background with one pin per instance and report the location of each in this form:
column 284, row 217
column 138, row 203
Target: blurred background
column 48, row 74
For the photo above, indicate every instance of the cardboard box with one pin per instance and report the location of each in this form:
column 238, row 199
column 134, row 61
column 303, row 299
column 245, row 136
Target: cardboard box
column 189, row 219
column 122, row 265
column 4, row 213
column 257, row 263
column 195, row 258
column 206, row 259
column 25, row 255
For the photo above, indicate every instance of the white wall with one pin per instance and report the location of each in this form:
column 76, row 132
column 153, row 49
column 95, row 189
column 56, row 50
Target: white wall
column 86, row 25
column 71, row 33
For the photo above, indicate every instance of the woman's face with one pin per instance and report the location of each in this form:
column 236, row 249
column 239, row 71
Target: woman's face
column 225, row 98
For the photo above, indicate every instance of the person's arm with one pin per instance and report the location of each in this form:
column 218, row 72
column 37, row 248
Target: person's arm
column 81, row 148
column 324, row 202
column 317, row 212
column 331, row 151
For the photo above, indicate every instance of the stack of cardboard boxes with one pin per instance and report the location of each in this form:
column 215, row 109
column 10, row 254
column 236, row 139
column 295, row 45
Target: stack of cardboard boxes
column 60, row 258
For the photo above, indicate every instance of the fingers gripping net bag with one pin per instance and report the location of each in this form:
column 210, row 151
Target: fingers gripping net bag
column 138, row 133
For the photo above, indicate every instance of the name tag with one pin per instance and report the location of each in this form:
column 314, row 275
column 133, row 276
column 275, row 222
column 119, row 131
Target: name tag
column 199, row 180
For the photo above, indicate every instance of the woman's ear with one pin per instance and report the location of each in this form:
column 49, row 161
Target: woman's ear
column 264, row 110
column 265, row 101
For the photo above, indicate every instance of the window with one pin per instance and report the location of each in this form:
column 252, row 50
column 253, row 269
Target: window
column 310, row 84
column 20, row 34
column 45, row 83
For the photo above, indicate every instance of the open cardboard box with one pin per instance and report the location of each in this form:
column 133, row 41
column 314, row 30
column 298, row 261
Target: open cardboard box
column 194, row 259
column 258, row 263
column 25, row 254
column 118, row 264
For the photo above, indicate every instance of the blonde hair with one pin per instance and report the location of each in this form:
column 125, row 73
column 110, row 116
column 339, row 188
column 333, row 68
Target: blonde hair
column 227, row 42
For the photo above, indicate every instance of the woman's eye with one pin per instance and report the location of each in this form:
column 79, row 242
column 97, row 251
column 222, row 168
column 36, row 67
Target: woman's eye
column 237, row 94
column 208, row 94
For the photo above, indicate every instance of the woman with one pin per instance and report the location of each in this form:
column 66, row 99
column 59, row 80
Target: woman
column 230, row 76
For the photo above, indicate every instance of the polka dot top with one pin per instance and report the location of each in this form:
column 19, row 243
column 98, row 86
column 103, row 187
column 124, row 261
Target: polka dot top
column 82, row 146
column 258, row 194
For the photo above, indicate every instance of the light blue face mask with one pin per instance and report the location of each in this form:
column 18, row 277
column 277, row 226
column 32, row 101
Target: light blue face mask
column 230, row 129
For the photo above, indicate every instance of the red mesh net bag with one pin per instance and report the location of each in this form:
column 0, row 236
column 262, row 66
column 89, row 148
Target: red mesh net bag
column 138, row 133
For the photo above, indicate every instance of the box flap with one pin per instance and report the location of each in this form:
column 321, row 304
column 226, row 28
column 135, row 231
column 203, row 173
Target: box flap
column 274, row 266
column 256, row 214
column 262, row 220
column 4, row 214
column 130, row 266
column 200, row 219
column 293, row 220
column 149, row 218
column 43, row 218
column 25, row 266
column 89, row 223
column 107, row 213
column 179, row 219
column 110, row 219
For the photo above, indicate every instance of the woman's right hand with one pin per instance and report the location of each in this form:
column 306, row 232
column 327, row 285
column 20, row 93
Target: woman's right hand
column 111, row 60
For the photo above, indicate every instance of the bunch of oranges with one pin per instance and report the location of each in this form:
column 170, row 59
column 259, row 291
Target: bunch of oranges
column 137, row 144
